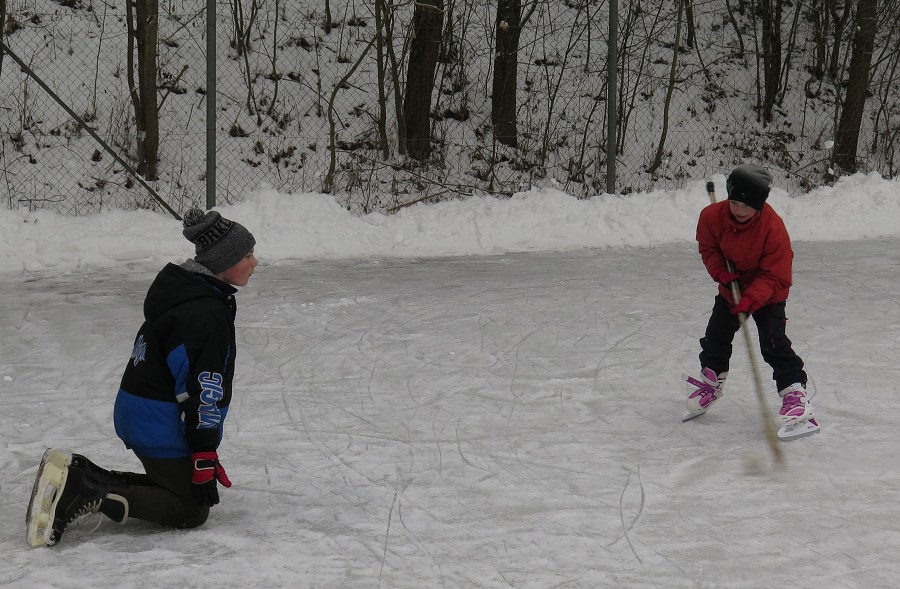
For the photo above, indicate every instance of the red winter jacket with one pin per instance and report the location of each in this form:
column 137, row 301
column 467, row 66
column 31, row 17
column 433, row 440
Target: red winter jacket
column 759, row 250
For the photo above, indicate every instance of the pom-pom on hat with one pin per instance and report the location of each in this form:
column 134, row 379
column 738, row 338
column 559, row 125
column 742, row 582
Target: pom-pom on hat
column 749, row 184
column 221, row 243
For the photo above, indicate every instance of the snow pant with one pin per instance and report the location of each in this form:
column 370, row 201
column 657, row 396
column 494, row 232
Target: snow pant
column 165, row 495
column 771, row 321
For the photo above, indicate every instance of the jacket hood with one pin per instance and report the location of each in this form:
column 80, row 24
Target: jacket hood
column 175, row 285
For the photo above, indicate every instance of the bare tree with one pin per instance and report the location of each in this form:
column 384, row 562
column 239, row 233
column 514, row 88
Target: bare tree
column 2, row 30
column 738, row 34
column 328, row 181
column 771, row 54
column 828, row 24
column 394, row 70
column 428, row 18
column 382, row 79
column 840, row 14
column 657, row 159
column 638, row 33
column 554, row 75
column 327, row 22
column 275, row 76
column 508, row 29
column 886, row 138
column 847, row 135
column 691, row 27
column 819, row 20
column 243, row 27
column 143, row 29
column 789, row 52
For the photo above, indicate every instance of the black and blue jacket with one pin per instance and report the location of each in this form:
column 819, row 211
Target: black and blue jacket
column 176, row 389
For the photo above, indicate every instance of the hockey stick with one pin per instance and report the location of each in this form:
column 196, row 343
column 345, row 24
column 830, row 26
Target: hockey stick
column 771, row 434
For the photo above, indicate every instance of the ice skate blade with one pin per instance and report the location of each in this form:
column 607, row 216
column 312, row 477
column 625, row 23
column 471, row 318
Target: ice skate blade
column 794, row 431
column 689, row 415
column 39, row 530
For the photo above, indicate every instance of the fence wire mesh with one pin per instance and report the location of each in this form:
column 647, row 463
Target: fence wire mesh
column 299, row 87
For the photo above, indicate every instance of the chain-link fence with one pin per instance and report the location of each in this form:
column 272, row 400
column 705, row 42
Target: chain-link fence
column 309, row 90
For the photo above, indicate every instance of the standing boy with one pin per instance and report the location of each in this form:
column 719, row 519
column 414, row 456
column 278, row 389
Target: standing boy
column 172, row 401
column 743, row 239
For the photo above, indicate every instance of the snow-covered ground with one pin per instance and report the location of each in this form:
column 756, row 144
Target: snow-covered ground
column 476, row 394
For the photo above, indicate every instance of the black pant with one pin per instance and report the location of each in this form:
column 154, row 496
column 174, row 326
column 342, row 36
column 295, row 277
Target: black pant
column 165, row 495
column 787, row 367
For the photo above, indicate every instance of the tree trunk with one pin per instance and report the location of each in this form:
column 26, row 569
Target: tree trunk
column 819, row 20
column 428, row 20
column 132, row 86
column 393, row 74
column 771, row 46
column 382, row 79
column 847, row 136
column 146, row 33
column 689, row 21
column 840, row 22
column 660, row 150
column 508, row 28
column 327, row 22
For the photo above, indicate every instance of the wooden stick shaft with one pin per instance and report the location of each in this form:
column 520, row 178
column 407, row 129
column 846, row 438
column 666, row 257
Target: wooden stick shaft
column 771, row 434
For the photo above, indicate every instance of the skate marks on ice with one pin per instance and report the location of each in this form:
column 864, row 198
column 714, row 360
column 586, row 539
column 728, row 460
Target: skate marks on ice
column 483, row 422
column 450, row 395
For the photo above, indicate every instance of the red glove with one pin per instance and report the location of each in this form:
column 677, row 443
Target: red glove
column 746, row 306
column 207, row 471
column 723, row 276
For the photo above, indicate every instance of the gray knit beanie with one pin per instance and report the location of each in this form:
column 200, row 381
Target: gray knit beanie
column 749, row 184
column 221, row 243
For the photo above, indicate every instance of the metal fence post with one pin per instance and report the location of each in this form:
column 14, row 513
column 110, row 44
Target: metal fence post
column 611, row 103
column 210, row 104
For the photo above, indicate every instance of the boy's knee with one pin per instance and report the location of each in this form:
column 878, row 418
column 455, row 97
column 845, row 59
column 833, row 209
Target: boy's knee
column 196, row 516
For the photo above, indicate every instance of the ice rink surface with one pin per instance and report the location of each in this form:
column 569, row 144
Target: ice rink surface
column 480, row 422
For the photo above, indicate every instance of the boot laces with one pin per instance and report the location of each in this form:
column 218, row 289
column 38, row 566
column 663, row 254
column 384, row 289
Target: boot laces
column 88, row 507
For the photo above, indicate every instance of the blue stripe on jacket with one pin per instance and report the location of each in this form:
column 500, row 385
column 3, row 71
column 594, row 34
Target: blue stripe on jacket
column 152, row 428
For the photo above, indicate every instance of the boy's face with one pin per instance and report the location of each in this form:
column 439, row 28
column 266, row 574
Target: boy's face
column 239, row 274
column 742, row 213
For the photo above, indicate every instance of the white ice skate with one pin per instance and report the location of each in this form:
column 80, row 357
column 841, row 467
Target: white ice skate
column 793, row 431
column 796, row 414
column 709, row 389
column 47, row 490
